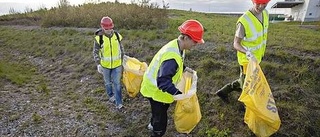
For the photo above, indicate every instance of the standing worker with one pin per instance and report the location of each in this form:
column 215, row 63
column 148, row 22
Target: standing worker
column 108, row 53
column 165, row 70
column 249, row 41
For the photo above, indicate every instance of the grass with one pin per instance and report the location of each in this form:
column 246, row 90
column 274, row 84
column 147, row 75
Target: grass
column 57, row 64
column 307, row 40
column 218, row 133
column 17, row 73
column 36, row 118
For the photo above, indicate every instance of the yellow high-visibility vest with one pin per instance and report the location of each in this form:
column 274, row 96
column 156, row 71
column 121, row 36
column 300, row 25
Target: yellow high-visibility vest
column 149, row 86
column 255, row 36
column 110, row 53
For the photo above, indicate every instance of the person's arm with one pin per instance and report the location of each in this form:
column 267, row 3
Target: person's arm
column 97, row 47
column 122, row 49
column 237, row 45
column 240, row 34
column 96, row 50
column 119, row 39
column 164, row 78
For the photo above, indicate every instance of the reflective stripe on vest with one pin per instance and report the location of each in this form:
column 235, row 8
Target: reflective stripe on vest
column 255, row 38
column 110, row 53
column 109, row 59
column 153, row 68
column 149, row 84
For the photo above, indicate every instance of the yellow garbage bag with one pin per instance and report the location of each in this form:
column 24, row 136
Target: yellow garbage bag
column 261, row 114
column 187, row 112
column 133, row 74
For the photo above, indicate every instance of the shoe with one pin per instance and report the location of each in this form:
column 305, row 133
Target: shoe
column 112, row 99
column 150, row 127
column 236, row 86
column 223, row 92
column 120, row 106
column 224, row 97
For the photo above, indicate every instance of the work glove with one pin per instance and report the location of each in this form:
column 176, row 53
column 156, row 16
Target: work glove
column 181, row 96
column 187, row 69
column 100, row 69
column 249, row 55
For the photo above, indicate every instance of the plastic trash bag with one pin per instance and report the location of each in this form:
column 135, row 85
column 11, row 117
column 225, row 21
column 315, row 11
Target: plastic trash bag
column 133, row 74
column 261, row 114
column 187, row 112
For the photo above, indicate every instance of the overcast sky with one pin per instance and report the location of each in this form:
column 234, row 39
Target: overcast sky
column 195, row 5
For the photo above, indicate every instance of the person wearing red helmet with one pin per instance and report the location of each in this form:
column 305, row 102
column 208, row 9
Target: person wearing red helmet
column 165, row 70
column 108, row 54
column 249, row 41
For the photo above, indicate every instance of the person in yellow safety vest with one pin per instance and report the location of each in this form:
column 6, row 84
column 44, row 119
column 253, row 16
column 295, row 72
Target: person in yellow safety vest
column 249, row 41
column 165, row 70
column 108, row 53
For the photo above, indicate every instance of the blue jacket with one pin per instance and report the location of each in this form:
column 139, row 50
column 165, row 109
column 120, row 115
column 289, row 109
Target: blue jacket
column 164, row 79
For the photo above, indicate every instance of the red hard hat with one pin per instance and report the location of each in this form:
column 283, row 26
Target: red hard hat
column 193, row 29
column 261, row 1
column 106, row 23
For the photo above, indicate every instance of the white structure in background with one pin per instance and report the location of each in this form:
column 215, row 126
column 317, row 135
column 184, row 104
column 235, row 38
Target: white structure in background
column 301, row 10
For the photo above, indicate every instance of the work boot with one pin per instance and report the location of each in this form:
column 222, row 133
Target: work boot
column 223, row 92
column 112, row 99
column 121, row 108
column 150, row 127
column 235, row 85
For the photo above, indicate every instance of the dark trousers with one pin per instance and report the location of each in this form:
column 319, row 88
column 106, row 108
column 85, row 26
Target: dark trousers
column 159, row 117
column 237, row 84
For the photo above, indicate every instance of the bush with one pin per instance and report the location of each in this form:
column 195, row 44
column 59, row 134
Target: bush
column 125, row 16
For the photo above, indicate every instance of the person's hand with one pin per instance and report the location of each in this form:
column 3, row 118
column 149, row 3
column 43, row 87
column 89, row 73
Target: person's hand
column 100, row 69
column 187, row 69
column 249, row 55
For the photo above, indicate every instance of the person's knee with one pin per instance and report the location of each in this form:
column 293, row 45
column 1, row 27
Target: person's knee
column 108, row 83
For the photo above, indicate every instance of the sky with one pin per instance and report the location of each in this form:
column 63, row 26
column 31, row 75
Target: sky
column 195, row 5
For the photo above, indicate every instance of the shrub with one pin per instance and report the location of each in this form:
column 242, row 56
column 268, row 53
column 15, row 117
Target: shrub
column 127, row 16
